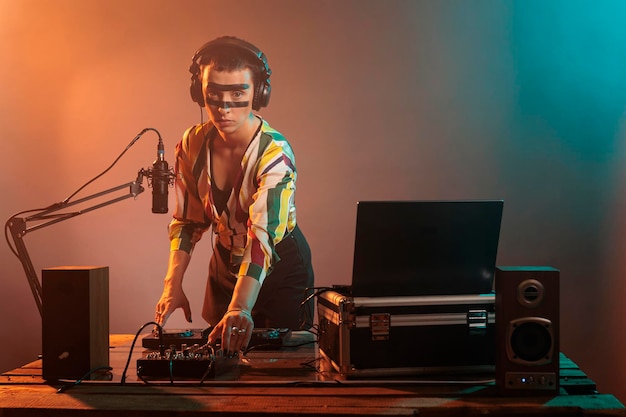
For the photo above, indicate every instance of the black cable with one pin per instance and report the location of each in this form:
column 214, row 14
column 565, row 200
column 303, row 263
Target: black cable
column 132, row 142
column 132, row 346
column 6, row 227
column 80, row 380
column 60, row 204
column 213, row 355
column 316, row 292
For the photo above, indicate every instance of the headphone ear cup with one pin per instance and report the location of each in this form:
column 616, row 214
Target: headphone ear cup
column 196, row 92
column 261, row 95
column 195, row 88
column 264, row 88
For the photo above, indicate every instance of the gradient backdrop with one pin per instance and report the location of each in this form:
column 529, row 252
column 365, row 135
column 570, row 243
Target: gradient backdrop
column 516, row 100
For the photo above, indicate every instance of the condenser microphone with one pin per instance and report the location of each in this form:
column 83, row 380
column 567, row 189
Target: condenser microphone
column 160, row 181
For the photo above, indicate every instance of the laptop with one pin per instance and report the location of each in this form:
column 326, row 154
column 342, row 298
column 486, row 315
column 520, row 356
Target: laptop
column 417, row 248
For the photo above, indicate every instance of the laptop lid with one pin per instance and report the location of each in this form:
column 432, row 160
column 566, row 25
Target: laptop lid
column 413, row 248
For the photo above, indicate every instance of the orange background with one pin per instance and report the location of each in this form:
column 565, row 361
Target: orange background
column 514, row 100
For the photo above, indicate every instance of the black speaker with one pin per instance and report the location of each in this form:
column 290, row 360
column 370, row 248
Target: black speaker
column 263, row 87
column 527, row 330
column 75, row 321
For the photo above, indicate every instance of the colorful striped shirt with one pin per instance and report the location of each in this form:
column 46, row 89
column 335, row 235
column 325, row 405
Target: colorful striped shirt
column 260, row 210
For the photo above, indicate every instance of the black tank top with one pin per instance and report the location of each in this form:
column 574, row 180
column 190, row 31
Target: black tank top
column 220, row 197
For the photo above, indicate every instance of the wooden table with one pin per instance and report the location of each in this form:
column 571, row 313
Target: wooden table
column 289, row 382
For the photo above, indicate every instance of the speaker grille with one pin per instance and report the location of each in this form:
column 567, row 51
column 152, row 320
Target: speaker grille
column 531, row 340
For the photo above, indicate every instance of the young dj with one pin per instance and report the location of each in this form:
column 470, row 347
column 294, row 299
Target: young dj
column 237, row 174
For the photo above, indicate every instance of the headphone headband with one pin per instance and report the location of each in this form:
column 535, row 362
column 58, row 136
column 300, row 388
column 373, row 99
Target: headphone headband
column 262, row 90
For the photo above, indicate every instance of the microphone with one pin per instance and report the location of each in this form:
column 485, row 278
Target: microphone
column 160, row 181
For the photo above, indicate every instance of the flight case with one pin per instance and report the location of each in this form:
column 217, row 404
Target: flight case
column 378, row 336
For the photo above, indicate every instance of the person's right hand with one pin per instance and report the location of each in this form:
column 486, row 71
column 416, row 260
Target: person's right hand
column 173, row 297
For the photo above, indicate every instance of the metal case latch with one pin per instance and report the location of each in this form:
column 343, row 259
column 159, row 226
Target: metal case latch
column 379, row 324
column 477, row 321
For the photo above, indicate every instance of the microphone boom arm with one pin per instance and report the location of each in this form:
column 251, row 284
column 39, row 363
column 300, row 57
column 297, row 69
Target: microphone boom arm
column 19, row 226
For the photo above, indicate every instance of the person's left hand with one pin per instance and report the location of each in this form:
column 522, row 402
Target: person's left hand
column 235, row 329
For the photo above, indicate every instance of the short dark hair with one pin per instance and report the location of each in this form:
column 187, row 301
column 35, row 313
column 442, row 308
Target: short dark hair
column 230, row 59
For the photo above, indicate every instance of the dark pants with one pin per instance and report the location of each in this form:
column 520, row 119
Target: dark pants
column 280, row 301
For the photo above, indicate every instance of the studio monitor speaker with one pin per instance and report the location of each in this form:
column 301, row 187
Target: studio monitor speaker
column 75, row 321
column 527, row 330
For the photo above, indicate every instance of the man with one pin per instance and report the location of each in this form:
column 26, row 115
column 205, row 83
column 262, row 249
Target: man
column 237, row 175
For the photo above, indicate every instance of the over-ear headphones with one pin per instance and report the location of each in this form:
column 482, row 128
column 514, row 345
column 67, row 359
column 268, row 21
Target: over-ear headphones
column 262, row 88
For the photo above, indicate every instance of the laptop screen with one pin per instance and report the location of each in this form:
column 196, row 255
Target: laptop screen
column 412, row 248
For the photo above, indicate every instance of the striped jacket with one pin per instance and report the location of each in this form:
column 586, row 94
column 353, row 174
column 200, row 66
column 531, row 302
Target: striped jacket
column 260, row 210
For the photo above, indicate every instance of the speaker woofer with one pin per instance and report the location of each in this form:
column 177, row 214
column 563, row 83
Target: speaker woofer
column 531, row 341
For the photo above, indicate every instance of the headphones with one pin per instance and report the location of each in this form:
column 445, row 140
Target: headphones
column 262, row 87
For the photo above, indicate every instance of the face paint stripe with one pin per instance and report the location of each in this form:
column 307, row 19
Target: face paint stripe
column 228, row 87
column 227, row 104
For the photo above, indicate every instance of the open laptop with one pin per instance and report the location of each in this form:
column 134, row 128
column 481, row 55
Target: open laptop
column 414, row 248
